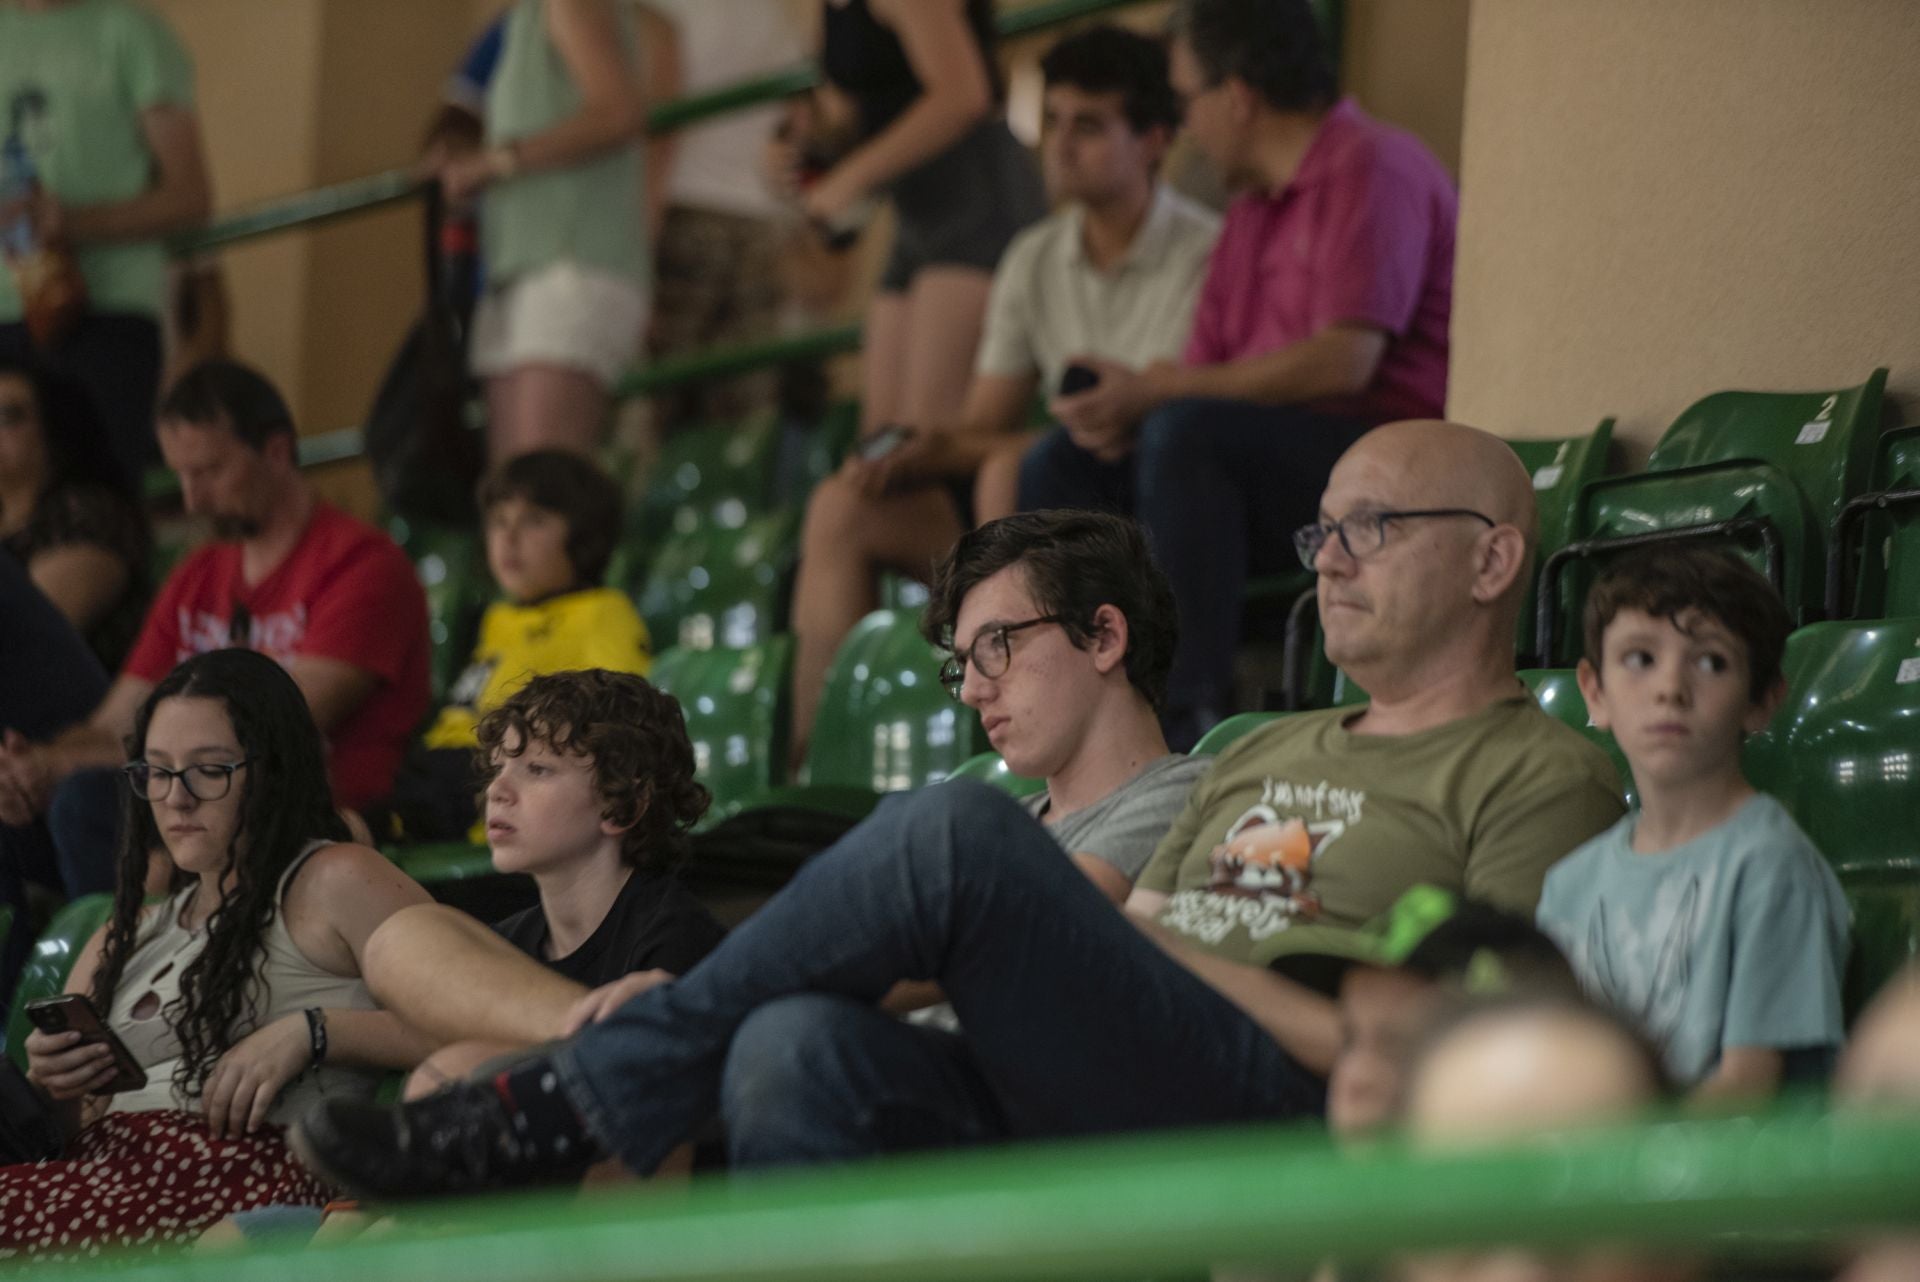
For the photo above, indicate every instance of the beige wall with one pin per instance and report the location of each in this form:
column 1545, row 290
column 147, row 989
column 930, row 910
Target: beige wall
column 1662, row 200
column 1406, row 61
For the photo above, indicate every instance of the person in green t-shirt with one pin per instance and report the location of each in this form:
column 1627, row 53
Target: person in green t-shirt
column 1078, row 1020
column 98, row 94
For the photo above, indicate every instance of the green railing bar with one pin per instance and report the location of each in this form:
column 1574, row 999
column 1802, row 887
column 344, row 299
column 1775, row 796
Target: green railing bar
column 722, row 362
column 1141, row 1207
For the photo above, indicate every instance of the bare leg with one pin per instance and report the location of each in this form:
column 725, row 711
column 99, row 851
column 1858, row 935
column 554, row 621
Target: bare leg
column 883, row 362
column 850, row 537
column 996, row 488
column 535, row 407
column 945, row 309
column 502, row 995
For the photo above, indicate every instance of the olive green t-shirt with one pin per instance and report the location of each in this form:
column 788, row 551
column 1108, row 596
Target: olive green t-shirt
column 74, row 81
column 1306, row 822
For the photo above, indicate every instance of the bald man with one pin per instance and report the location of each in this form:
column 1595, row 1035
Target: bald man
column 1079, row 1019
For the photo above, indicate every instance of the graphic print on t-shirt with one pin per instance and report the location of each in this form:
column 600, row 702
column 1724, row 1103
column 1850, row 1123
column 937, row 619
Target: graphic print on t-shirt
column 277, row 635
column 1261, row 873
column 1642, row 967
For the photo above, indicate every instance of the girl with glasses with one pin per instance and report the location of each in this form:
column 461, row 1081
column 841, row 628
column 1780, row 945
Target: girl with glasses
column 239, row 994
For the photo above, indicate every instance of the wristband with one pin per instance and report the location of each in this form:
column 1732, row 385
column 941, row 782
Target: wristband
column 317, row 1035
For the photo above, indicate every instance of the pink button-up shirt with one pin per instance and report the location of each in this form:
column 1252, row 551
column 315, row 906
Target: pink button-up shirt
column 1363, row 234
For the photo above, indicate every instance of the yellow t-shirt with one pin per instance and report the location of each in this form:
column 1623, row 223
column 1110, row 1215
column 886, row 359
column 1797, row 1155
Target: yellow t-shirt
column 591, row 628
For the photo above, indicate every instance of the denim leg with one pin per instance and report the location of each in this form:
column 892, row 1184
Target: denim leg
column 1058, row 473
column 1077, row 1023
column 85, row 818
column 1222, row 487
column 820, row 1078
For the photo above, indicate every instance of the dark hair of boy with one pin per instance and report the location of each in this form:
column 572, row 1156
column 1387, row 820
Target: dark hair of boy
column 1459, row 946
column 636, row 737
column 222, row 391
column 1674, row 583
column 1274, row 47
column 572, row 487
column 1074, row 562
column 1110, row 59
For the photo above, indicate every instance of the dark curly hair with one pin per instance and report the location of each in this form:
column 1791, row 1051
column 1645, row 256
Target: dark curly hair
column 1672, row 583
column 636, row 737
column 564, row 483
column 1075, row 562
column 1274, row 47
column 285, row 803
column 1110, row 59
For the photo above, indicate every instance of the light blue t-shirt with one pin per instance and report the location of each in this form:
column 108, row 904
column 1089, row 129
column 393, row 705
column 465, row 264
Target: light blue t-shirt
column 1736, row 938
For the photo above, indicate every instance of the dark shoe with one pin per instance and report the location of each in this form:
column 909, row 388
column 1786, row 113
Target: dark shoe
column 461, row 1139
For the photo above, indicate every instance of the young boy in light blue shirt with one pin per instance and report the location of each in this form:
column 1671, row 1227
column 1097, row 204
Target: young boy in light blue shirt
column 1706, row 914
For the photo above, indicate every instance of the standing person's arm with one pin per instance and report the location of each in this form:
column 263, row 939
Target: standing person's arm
column 956, row 94
column 179, row 197
column 587, row 36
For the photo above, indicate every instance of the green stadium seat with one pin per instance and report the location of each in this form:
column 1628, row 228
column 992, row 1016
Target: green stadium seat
column 51, row 961
column 1843, row 755
column 1234, row 727
column 1766, row 473
column 1561, row 470
column 722, row 587
column 735, row 703
column 1875, row 545
column 452, row 564
column 990, row 767
column 885, row 725
column 1557, row 692
column 828, row 443
column 705, row 478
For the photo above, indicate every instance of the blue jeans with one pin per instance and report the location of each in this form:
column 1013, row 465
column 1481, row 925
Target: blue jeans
column 1076, row 1023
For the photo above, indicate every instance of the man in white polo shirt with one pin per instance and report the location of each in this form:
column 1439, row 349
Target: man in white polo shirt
column 1113, row 273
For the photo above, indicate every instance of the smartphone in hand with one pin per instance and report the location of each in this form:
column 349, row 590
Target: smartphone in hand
column 74, row 1012
column 883, row 442
column 1078, row 378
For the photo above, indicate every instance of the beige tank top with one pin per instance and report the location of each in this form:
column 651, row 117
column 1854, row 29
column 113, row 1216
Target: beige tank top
column 163, row 949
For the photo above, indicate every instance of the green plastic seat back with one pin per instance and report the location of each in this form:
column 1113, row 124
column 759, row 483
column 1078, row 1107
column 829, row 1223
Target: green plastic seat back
column 1886, row 930
column 885, row 723
column 1234, row 727
column 1561, row 469
column 1890, row 539
column 735, row 703
column 451, row 562
column 1843, row 753
column 1558, row 694
column 51, row 961
column 1793, row 458
column 722, row 587
column 831, row 438
column 704, row 478
column 898, row 592
column 990, row 767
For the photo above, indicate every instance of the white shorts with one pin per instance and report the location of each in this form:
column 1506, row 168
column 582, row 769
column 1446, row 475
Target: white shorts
column 560, row 315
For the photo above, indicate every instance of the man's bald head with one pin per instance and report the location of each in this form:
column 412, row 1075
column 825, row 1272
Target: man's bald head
column 1440, row 528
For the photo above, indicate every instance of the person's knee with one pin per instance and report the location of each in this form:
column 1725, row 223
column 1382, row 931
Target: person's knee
column 1172, row 432
column 837, row 515
column 787, row 1071
column 1042, row 466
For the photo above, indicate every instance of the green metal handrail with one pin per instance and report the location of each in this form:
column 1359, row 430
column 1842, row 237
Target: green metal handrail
column 1156, row 1206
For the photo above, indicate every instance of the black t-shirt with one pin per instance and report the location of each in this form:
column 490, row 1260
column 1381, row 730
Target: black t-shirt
column 654, row 924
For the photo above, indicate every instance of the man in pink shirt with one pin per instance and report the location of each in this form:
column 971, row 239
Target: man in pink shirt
column 1324, row 313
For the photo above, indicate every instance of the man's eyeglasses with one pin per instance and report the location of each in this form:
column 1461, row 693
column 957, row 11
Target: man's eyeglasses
column 205, row 781
column 1361, row 534
column 990, row 653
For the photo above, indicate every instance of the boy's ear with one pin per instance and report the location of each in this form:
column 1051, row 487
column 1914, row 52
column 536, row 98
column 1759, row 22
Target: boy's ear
column 1760, row 715
column 611, row 827
column 1591, row 690
column 1109, row 644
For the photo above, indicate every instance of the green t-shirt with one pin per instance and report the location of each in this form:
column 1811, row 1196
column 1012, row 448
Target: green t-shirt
column 73, row 82
column 1305, row 821
column 590, row 213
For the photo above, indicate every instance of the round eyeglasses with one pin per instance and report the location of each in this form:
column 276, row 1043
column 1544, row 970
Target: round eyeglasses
column 990, row 654
column 1361, row 534
column 204, row 781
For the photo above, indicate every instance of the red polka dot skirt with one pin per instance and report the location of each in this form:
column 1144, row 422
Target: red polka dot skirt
column 145, row 1180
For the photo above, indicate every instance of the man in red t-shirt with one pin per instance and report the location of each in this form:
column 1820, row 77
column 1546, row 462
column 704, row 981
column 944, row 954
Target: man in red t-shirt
column 1324, row 313
column 332, row 599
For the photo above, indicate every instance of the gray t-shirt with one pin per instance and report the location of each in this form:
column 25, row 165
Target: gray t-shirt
column 1736, row 938
column 1125, row 826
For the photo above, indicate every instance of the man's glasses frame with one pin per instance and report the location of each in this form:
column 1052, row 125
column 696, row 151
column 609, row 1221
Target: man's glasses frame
column 1369, row 529
column 997, row 658
column 214, row 776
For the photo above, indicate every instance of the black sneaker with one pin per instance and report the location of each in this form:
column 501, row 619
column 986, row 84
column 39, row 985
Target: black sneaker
column 458, row 1140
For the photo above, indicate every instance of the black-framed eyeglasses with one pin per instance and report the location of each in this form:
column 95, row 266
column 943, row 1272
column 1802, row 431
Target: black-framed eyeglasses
column 204, row 781
column 1361, row 534
column 990, row 653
